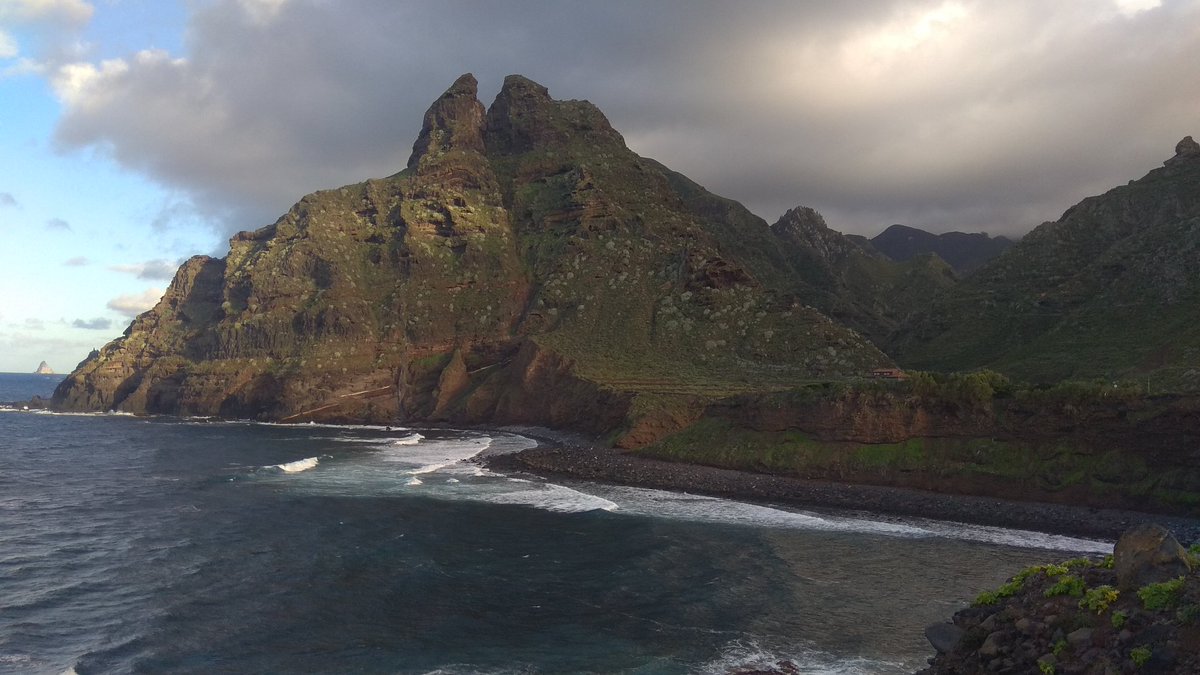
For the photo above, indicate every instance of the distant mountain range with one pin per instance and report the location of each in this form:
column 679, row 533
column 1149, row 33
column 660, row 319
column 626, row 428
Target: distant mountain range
column 527, row 267
column 964, row 252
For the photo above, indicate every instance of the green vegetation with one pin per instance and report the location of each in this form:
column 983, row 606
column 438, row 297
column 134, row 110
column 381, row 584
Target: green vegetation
column 1046, row 668
column 1140, row 655
column 1163, row 595
column 1099, row 598
column 1118, row 619
column 1068, row 584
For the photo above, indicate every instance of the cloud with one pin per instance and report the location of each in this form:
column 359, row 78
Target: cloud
column 34, row 324
column 132, row 305
column 7, row 200
column 150, row 269
column 70, row 11
column 55, row 23
column 77, row 261
column 99, row 323
column 8, row 46
column 58, row 224
column 949, row 114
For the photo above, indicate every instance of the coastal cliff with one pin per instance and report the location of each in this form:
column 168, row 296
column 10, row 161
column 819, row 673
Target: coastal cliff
column 525, row 267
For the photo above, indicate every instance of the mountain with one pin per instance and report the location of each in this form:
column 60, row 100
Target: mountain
column 44, row 369
column 525, row 267
column 964, row 252
column 846, row 278
column 1109, row 290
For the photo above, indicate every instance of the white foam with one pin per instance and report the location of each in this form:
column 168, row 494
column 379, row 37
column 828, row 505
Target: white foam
column 414, row 481
column 298, row 465
column 748, row 655
column 548, row 497
column 411, row 439
column 699, row 508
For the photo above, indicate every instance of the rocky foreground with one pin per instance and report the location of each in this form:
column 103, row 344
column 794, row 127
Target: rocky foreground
column 1137, row 611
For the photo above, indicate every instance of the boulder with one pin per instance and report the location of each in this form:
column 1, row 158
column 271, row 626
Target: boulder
column 1148, row 554
column 943, row 636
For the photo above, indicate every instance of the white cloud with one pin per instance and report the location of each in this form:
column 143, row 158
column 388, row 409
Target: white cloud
column 150, row 269
column 77, row 261
column 8, row 46
column 132, row 305
column 1134, row 7
column 72, row 11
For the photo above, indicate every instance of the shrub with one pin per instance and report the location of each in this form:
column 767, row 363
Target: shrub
column 1161, row 596
column 1140, row 655
column 1068, row 584
column 1118, row 619
column 1099, row 598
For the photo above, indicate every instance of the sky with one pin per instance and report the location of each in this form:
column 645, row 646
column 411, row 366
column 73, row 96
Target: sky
column 137, row 133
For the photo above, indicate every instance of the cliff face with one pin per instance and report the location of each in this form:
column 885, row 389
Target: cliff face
column 1096, row 447
column 525, row 267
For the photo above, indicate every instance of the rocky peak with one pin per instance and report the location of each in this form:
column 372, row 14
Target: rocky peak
column 805, row 227
column 454, row 122
column 802, row 219
column 524, row 117
column 1185, row 150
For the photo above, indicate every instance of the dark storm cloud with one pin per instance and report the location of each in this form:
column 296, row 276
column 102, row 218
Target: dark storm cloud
column 950, row 115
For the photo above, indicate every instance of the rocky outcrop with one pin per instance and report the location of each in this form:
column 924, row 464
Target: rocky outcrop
column 526, row 267
column 44, row 369
column 1073, row 618
column 1148, row 554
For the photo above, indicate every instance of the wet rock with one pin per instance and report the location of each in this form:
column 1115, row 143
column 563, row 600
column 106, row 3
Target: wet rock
column 991, row 646
column 1148, row 554
column 944, row 636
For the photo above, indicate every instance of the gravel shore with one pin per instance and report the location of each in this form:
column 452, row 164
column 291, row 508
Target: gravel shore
column 560, row 454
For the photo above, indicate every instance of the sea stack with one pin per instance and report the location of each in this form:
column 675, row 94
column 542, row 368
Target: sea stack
column 44, row 369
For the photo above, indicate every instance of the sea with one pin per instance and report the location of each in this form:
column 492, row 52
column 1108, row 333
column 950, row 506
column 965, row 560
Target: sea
column 193, row 545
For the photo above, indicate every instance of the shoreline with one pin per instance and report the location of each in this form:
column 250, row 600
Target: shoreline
column 560, row 454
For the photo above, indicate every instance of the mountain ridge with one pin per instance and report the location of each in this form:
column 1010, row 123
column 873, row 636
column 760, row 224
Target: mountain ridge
column 525, row 258
column 1106, row 291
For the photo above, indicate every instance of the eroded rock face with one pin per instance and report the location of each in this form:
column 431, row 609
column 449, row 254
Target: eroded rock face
column 525, row 267
column 1148, row 554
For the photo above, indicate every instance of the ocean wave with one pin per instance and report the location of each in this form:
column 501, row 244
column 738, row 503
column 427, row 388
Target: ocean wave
column 411, row 439
column 549, row 497
column 298, row 465
column 739, row 656
column 700, row 508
